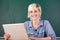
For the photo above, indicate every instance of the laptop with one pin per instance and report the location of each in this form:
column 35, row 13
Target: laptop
column 17, row 31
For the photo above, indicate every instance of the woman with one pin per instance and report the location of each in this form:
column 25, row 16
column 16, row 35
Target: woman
column 37, row 29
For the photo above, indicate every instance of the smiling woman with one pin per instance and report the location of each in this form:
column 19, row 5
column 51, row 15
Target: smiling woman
column 37, row 29
column 34, row 13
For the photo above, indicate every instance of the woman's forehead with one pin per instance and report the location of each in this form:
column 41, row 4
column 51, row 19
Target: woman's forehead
column 32, row 8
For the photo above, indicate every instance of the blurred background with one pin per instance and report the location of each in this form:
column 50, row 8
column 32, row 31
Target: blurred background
column 15, row 11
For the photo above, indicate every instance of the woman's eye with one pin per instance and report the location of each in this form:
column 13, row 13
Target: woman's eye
column 30, row 12
column 35, row 11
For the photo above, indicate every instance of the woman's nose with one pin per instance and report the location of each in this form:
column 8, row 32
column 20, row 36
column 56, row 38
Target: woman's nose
column 33, row 13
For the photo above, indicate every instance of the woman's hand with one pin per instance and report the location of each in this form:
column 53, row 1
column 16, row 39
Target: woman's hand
column 6, row 36
column 32, row 38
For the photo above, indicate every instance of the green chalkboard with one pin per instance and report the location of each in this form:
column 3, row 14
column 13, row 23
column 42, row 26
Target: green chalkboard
column 15, row 11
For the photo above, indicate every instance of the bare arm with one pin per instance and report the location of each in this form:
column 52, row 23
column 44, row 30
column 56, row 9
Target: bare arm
column 45, row 38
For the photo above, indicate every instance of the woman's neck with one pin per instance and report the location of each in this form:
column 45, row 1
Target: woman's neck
column 36, row 24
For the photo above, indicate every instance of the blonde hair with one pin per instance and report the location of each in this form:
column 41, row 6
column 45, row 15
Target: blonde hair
column 34, row 5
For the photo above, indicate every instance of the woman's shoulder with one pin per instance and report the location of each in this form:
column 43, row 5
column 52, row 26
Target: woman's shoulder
column 45, row 21
column 26, row 22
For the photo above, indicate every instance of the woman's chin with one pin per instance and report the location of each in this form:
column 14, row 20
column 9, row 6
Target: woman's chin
column 34, row 19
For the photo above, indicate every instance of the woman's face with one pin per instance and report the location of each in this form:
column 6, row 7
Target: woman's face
column 34, row 13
